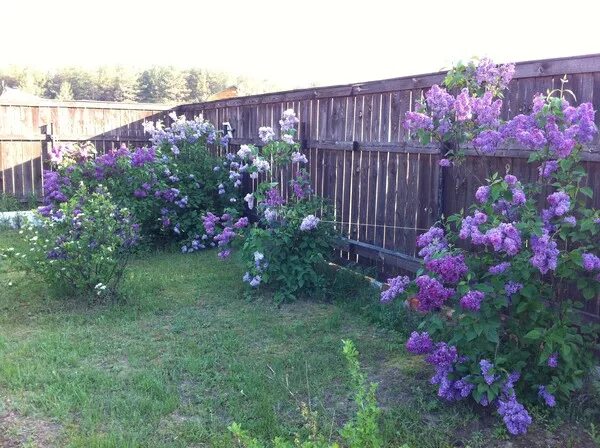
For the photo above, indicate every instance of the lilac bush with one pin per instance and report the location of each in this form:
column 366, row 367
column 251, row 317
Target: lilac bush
column 167, row 186
column 82, row 246
column 499, row 284
column 284, row 248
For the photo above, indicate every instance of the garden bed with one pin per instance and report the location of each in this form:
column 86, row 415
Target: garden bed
column 187, row 355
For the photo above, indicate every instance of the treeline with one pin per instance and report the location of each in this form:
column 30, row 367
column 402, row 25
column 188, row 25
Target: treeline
column 158, row 84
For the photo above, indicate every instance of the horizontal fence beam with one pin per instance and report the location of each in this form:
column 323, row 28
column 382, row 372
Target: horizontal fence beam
column 373, row 252
column 406, row 147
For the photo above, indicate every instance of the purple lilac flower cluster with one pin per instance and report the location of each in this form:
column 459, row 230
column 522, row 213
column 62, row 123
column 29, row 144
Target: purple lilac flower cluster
column 273, row 198
column 515, row 416
column 482, row 194
column 547, row 168
column 590, row 262
column 443, row 357
column 486, row 370
column 511, row 288
column 439, row 102
column 53, row 187
column 415, row 121
column 143, row 191
column 548, row 398
column 545, row 252
column 450, row 268
column 504, row 238
column 499, row 268
column 472, row 300
column 418, row 343
column 432, row 294
column 397, row 285
column 494, row 76
column 470, row 228
column 210, row 220
column 301, row 185
column 504, row 207
column 143, row 156
column 559, row 202
column 440, row 109
column 487, row 110
column 228, row 232
column 560, row 134
column 298, row 157
column 432, row 242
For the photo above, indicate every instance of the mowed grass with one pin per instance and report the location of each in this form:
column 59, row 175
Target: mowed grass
column 186, row 355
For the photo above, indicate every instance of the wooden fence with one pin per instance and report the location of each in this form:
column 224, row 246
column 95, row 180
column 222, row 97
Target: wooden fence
column 27, row 129
column 384, row 189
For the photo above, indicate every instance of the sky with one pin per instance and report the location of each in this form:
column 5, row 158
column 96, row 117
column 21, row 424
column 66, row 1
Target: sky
column 295, row 44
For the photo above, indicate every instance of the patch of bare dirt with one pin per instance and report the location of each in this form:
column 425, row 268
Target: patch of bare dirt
column 17, row 430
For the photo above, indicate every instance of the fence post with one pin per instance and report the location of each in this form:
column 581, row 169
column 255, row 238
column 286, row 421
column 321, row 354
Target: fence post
column 441, row 206
column 47, row 145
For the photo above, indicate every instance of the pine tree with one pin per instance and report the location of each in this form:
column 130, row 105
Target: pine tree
column 161, row 84
column 197, row 84
column 65, row 92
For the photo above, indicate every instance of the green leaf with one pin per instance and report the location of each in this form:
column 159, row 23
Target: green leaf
column 589, row 293
column 491, row 335
column 535, row 334
column 587, row 191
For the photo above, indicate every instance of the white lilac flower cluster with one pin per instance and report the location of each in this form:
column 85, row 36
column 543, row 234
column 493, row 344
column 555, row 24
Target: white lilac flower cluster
column 260, row 265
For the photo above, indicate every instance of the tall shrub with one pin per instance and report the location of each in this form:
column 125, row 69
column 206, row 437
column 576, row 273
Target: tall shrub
column 499, row 314
column 284, row 248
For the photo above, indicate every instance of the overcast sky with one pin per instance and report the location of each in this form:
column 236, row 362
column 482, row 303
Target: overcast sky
column 298, row 43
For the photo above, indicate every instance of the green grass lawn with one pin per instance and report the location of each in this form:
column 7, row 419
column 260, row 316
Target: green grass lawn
column 186, row 356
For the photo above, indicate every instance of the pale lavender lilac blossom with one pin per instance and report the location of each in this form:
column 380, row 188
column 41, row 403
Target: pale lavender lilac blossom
column 310, row 222
column 545, row 252
column 397, row 285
